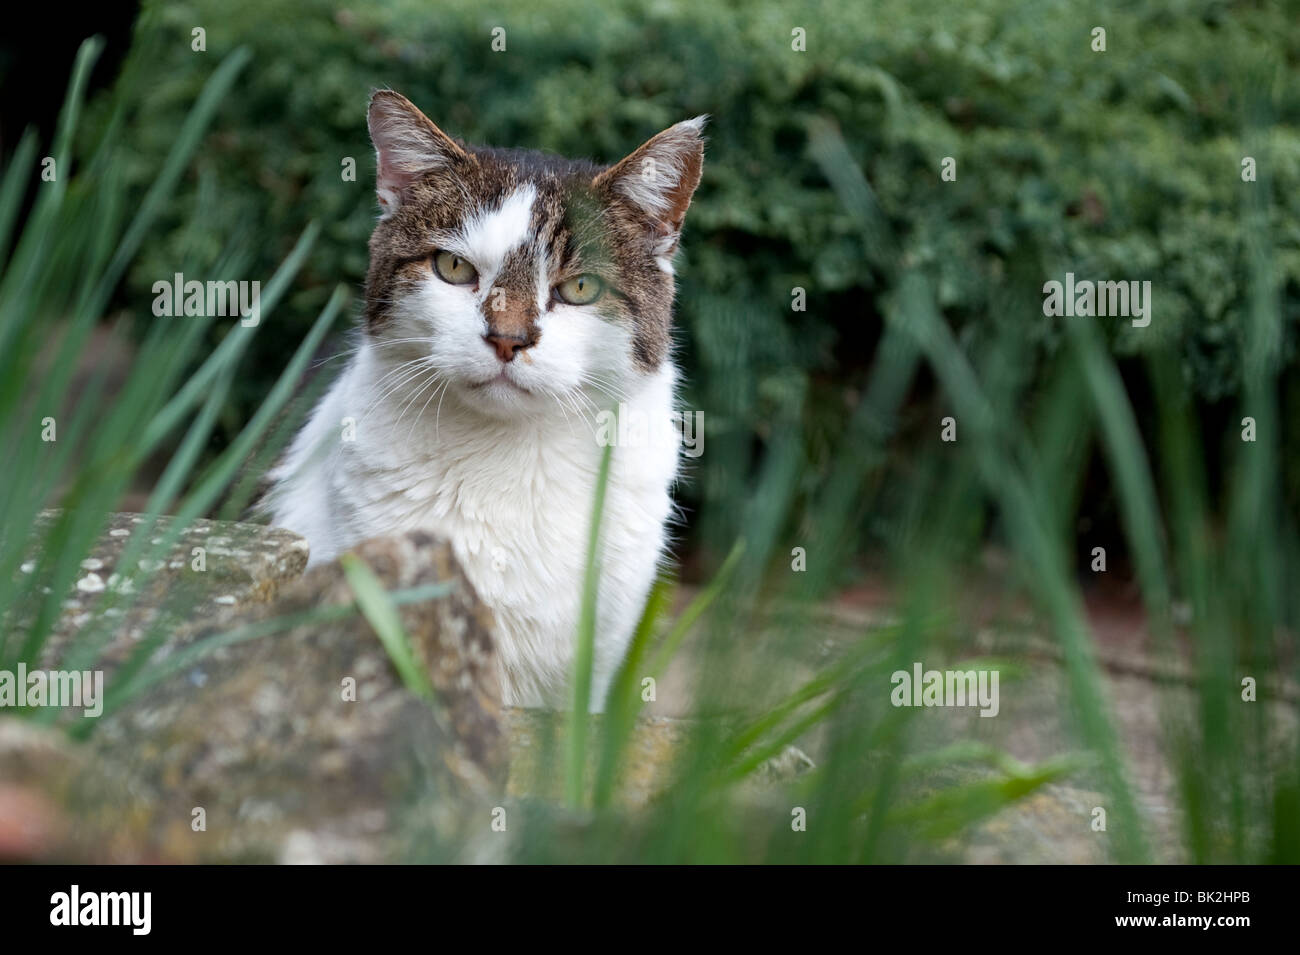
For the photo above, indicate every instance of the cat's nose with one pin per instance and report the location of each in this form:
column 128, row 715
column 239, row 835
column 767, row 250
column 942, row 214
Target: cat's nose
column 506, row 346
column 510, row 323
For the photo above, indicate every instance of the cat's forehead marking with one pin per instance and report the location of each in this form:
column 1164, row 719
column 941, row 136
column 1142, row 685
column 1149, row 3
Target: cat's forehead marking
column 492, row 233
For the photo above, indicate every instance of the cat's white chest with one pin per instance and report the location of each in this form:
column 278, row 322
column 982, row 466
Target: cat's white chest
column 520, row 525
column 515, row 501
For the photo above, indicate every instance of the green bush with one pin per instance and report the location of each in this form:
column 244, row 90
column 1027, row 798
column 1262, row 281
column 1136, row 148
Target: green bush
column 1124, row 165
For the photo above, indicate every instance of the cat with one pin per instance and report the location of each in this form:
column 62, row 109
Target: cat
column 512, row 299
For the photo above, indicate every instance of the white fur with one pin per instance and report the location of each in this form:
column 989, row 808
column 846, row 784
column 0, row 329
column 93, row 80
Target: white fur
column 486, row 238
column 506, row 475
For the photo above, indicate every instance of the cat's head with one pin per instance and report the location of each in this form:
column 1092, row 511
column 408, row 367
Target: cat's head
column 519, row 278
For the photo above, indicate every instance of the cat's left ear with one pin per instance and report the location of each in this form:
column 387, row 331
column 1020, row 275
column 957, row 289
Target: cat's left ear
column 407, row 145
column 660, row 177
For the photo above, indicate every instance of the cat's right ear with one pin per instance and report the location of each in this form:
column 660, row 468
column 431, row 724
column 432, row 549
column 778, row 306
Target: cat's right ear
column 407, row 145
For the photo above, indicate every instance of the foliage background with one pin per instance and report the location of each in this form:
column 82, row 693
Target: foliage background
column 1124, row 164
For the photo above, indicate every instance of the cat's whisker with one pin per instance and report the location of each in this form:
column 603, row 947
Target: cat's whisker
column 602, row 399
column 407, row 363
column 557, row 397
column 423, row 367
column 325, row 361
column 433, row 394
column 377, row 344
column 400, row 367
column 580, row 395
column 437, row 415
column 593, row 421
column 407, row 375
column 613, row 389
column 401, row 341
column 416, row 397
column 568, row 400
column 589, row 421
column 566, row 406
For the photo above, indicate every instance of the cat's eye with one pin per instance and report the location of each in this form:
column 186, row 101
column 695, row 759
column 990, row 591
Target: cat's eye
column 580, row 290
column 454, row 269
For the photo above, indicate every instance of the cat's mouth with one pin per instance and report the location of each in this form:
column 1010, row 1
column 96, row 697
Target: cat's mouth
column 500, row 378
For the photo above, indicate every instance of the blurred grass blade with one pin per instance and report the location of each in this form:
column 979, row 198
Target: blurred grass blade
column 584, row 653
column 384, row 620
